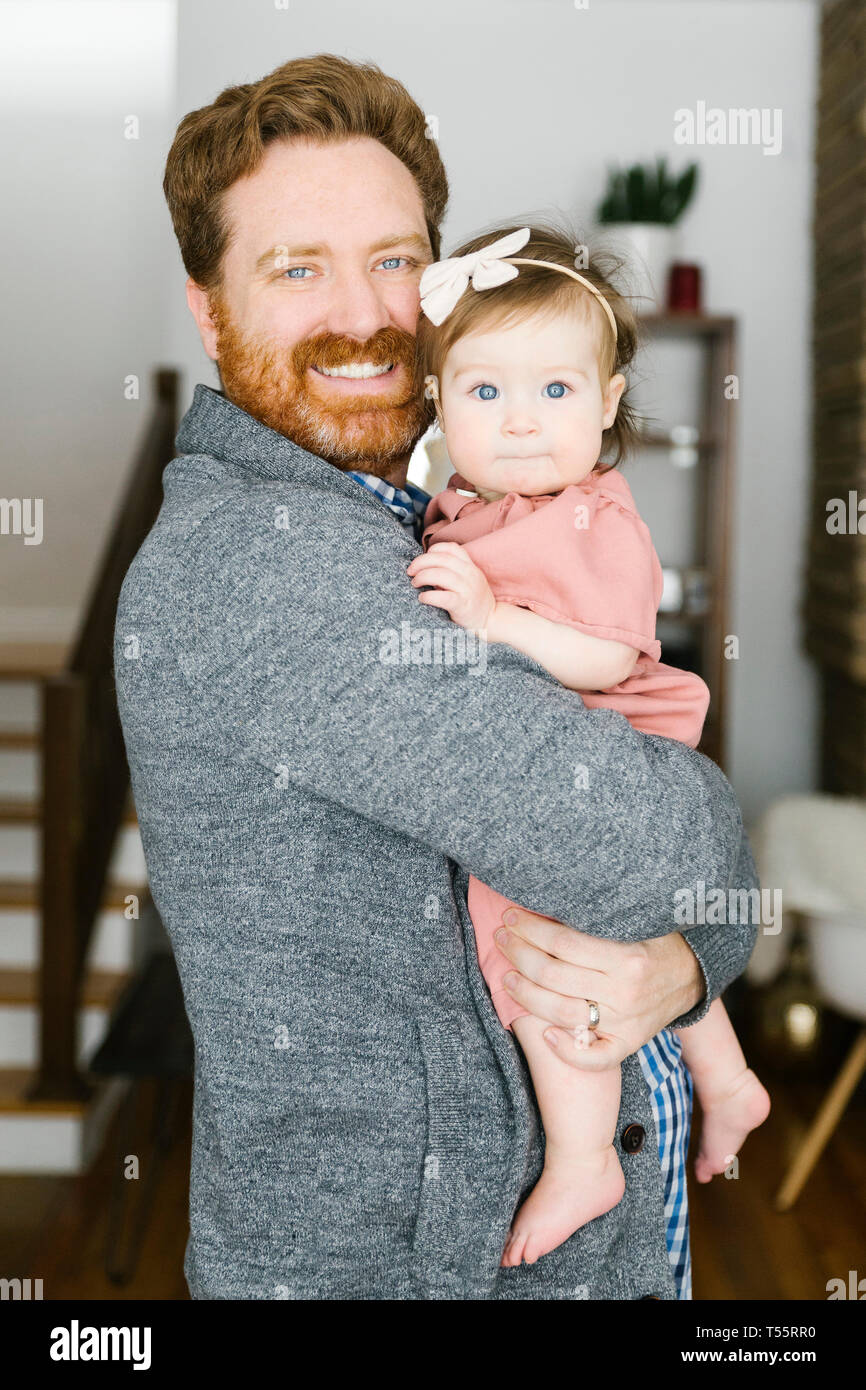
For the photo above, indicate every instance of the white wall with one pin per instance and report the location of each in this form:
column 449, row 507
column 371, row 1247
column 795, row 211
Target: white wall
column 534, row 98
column 84, row 247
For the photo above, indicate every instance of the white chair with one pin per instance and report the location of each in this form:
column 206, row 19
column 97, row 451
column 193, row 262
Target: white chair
column 813, row 848
column 837, row 946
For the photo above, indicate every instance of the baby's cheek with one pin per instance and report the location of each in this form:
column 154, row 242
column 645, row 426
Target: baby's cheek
column 578, row 452
column 470, row 449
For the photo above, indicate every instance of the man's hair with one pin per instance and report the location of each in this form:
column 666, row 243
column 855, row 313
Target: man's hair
column 545, row 292
column 323, row 98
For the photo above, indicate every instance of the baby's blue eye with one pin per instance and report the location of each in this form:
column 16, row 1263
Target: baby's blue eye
column 557, row 389
column 487, row 387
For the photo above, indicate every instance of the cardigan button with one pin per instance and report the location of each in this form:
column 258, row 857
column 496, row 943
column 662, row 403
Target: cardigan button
column 632, row 1138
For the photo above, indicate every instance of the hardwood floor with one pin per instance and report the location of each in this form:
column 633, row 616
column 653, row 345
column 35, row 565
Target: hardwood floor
column 54, row 1228
column 742, row 1247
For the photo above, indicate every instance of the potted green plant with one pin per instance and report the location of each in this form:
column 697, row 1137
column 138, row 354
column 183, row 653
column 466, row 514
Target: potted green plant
column 644, row 203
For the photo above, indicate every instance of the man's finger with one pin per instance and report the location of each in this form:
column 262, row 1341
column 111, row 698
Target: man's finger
column 566, row 1010
column 564, row 977
column 568, row 943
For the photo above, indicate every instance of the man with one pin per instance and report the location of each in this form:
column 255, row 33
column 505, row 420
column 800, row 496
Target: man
column 310, row 812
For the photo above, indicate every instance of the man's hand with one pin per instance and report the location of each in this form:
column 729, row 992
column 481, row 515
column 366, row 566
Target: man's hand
column 640, row 987
column 461, row 588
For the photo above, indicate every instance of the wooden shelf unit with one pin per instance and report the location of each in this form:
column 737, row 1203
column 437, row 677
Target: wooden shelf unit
column 715, row 335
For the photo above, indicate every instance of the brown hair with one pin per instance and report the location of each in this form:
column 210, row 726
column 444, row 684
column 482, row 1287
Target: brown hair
column 322, row 97
column 547, row 292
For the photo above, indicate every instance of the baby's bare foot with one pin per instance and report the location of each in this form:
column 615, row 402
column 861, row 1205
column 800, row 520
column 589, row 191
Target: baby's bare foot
column 728, row 1118
column 570, row 1192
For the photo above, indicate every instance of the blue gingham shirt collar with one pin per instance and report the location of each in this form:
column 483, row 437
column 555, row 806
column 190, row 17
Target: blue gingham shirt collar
column 408, row 503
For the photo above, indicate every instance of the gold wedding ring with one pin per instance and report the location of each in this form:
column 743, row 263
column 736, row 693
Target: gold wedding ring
column 593, row 1013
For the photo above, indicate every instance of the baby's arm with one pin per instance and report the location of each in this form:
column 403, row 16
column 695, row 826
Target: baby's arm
column 575, row 659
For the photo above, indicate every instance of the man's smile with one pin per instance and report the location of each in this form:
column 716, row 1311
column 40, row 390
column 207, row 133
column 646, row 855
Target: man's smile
column 376, row 377
column 359, row 369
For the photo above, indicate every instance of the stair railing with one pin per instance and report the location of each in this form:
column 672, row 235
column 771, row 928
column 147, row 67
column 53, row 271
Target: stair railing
column 85, row 776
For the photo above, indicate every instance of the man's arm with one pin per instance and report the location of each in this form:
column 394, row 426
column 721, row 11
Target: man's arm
column 641, row 987
column 723, row 952
column 308, row 648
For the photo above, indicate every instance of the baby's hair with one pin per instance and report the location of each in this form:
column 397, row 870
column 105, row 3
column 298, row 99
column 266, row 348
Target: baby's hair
column 545, row 291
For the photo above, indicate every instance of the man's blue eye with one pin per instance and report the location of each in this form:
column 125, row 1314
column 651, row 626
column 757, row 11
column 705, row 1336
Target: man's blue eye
column 557, row 388
column 294, row 269
column 393, row 259
column 487, row 387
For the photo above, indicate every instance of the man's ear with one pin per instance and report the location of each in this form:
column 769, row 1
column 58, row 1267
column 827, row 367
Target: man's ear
column 199, row 306
column 615, row 388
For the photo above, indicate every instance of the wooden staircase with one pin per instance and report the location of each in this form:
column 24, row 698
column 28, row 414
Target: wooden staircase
column 50, row 1135
column 73, row 883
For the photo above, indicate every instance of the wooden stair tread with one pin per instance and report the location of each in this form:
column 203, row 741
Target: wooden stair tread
column 31, row 660
column 18, row 812
column 101, row 987
column 19, row 738
column 14, row 1083
column 21, row 810
column 16, row 892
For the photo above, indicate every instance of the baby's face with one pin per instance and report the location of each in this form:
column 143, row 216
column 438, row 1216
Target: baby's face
column 523, row 408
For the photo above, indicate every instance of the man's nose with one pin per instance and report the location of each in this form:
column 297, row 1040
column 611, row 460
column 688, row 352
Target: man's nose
column 356, row 309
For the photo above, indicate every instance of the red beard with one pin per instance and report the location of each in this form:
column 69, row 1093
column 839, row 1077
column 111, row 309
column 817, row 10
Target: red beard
column 274, row 385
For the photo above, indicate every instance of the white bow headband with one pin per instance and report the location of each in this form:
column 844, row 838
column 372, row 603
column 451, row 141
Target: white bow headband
column 443, row 282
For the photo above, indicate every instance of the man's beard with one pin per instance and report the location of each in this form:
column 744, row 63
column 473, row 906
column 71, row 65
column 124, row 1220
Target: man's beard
column 367, row 431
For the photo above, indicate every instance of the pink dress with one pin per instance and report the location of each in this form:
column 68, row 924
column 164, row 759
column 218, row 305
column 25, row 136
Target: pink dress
column 585, row 558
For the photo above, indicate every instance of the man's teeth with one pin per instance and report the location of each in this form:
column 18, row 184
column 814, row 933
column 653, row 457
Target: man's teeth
column 356, row 369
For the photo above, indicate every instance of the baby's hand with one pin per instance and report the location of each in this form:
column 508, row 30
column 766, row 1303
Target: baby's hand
column 460, row 587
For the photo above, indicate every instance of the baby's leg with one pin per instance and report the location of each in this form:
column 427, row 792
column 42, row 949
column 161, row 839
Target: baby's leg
column 582, row 1177
column 732, row 1098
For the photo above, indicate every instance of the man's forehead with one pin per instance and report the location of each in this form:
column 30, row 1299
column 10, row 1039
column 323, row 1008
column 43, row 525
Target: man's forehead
column 305, row 199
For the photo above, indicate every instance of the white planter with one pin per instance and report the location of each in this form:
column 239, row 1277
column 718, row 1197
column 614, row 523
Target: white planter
column 650, row 249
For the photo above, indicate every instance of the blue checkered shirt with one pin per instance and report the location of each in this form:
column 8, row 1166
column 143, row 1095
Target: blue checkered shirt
column 661, row 1061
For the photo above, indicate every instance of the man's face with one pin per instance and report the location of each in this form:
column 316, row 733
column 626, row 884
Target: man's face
column 321, row 277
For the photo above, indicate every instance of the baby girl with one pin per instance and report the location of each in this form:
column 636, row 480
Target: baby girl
column 537, row 543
